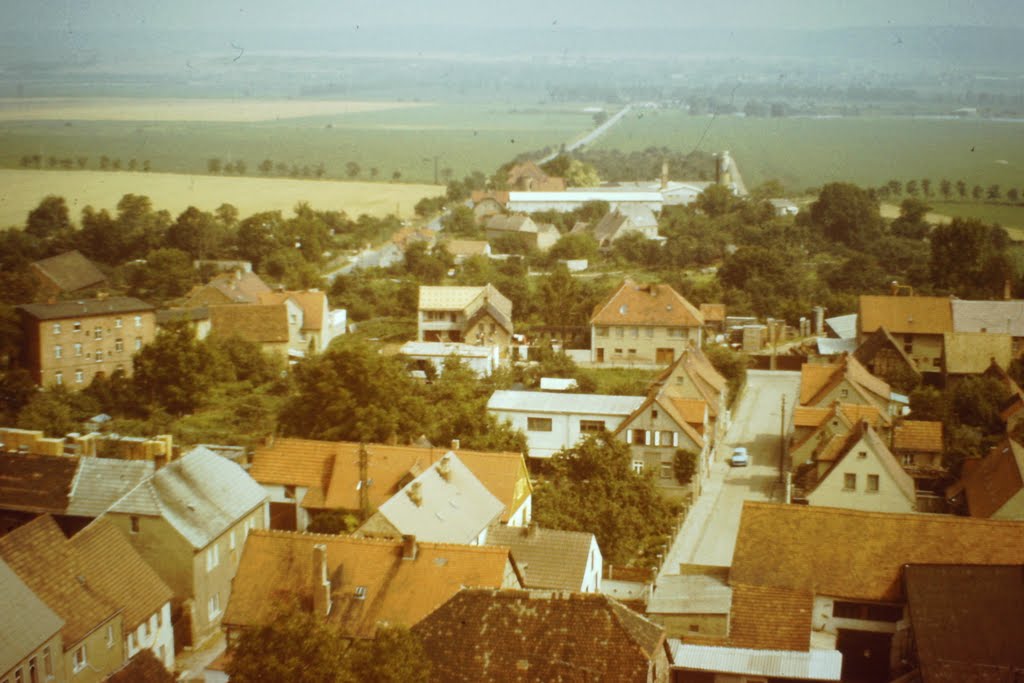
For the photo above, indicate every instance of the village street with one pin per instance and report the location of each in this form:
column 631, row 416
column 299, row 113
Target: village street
column 709, row 533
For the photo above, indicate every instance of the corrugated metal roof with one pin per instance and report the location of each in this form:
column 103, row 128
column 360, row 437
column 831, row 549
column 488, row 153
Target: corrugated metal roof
column 414, row 348
column 544, row 402
column 818, row 665
column 844, row 325
column 833, row 347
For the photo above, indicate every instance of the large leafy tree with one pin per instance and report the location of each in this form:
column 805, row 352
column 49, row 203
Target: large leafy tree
column 173, row 372
column 847, row 214
column 353, row 393
column 970, row 258
column 592, row 488
column 302, row 648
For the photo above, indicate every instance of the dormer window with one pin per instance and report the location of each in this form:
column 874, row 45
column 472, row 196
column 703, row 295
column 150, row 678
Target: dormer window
column 360, row 592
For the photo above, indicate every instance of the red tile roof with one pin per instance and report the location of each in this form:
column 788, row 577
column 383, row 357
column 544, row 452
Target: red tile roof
column 646, row 304
column 277, row 571
column 918, row 436
column 997, row 478
column 520, row 636
column 259, row 323
column 905, row 314
column 767, row 618
column 858, row 555
column 312, row 302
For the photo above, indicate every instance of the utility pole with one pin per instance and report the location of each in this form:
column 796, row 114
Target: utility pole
column 782, row 442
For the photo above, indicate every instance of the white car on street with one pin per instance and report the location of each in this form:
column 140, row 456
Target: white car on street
column 739, row 457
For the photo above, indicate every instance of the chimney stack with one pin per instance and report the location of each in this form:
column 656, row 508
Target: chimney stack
column 456, row 444
column 321, row 584
column 444, row 468
column 409, row 547
column 414, row 493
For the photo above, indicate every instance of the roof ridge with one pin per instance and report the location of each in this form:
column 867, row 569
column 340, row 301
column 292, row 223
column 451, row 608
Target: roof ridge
column 849, row 512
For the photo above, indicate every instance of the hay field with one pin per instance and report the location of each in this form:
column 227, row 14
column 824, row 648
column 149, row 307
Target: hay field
column 808, row 152
column 21, row 191
column 143, row 109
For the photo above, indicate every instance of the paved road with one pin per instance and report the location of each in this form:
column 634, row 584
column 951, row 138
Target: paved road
column 589, row 137
column 709, row 534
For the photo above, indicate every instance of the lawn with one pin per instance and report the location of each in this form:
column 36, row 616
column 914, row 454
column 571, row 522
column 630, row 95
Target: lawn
column 409, row 140
column 21, row 191
column 807, row 152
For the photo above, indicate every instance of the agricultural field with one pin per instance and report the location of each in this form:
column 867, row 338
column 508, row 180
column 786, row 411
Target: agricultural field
column 807, row 152
column 416, row 140
column 21, row 191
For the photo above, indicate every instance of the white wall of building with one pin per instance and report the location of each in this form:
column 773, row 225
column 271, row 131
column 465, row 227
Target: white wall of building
column 156, row 634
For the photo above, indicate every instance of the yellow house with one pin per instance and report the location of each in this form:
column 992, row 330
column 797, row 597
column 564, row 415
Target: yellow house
column 864, row 476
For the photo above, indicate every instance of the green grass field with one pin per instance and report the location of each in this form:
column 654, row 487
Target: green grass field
column 464, row 138
column 804, row 152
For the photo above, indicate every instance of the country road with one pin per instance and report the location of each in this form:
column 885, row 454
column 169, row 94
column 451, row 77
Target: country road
column 589, row 137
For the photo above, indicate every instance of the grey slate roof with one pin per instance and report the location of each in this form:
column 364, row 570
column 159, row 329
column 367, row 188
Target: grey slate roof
column 37, row 623
column 85, row 308
column 200, row 495
column 549, row 558
column 101, row 482
column 452, row 510
column 1005, row 317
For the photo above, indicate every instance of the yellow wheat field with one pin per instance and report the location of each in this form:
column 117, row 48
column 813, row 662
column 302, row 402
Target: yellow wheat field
column 21, row 191
column 142, row 109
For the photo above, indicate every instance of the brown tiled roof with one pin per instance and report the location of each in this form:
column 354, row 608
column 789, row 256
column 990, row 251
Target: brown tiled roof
column 70, row 271
column 519, row 636
column 713, row 313
column 967, row 621
column 918, row 436
column 228, row 288
column 311, row 302
column 693, row 410
column 905, row 314
column 36, row 483
column 997, row 478
column 857, row 555
column 466, row 247
column 547, row 558
column 515, row 223
column 43, row 558
column 817, row 381
column 878, row 341
column 646, row 304
column 501, row 197
column 336, row 465
column 768, row 618
column 970, row 353
column 698, row 369
column 810, row 416
column 276, row 572
column 113, row 569
column 259, row 323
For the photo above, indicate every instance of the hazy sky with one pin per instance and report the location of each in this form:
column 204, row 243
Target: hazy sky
column 340, row 14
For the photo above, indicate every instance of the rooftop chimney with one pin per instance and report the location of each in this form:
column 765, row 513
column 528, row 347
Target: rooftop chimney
column 409, row 547
column 321, row 584
column 414, row 493
column 456, row 444
column 444, row 468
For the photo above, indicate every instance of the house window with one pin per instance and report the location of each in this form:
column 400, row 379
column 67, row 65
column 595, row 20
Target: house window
column 97, row 332
column 138, row 343
column 47, row 661
column 80, row 659
column 632, row 352
column 360, row 592
column 58, row 352
column 212, row 556
column 638, row 437
column 675, row 332
column 872, row 483
column 56, row 328
column 654, row 414
column 666, row 470
column 19, row 676
column 99, row 356
column 634, row 332
column 118, row 322
column 135, row 524
column 78, row 349
column 538, row 424
column 849, row 482
column 908, row 459
column 138, row 321
column 119, row 345
column 620, row 331
column 843, row 393
column 862, row 455
column 33, row 670
column 908, row 344
column 638, row 466
column 79, row 376
column 59, row 377
column 618, row 352
column 591, row 426
column 110, row 636
column 666, row 438
column 601, row 331
column 650, row 331
column 77, row 326
column 213, row 607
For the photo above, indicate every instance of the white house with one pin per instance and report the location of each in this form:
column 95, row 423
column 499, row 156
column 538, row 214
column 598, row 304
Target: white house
column 553, row 422
column 482, row 360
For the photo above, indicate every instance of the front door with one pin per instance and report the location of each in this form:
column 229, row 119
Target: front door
column 664, row 356
column 600, row 355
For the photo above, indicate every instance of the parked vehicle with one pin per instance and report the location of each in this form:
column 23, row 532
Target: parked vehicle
column 739, row 457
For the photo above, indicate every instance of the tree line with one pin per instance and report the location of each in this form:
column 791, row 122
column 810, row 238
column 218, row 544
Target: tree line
column 105, row 163
column 948, row 189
